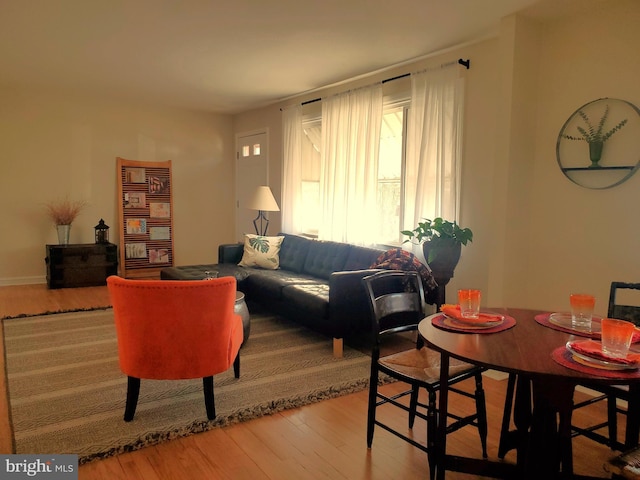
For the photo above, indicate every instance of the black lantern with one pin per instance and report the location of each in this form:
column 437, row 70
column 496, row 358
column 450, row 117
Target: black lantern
column 102, row 232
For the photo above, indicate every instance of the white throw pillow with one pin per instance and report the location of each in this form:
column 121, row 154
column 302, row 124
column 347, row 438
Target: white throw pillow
column 261, row 252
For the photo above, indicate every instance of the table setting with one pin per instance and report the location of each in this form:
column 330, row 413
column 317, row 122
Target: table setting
column 607, row 349
column 466, row 317
column 545, row 372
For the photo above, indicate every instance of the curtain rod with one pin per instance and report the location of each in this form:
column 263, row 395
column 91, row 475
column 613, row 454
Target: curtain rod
column 465, row 63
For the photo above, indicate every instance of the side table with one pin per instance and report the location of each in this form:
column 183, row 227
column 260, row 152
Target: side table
column 241, row 309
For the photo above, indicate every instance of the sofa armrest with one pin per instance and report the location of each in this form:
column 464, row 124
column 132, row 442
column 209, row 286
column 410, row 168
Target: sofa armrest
column 230, row 252
column 349, row 309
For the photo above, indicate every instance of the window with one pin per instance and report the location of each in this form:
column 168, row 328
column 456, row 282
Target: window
column 390, row 176
column 386, row 223
column 310, row 186
column 392, row 159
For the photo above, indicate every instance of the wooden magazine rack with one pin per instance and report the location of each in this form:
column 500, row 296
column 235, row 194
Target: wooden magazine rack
column 145, row 206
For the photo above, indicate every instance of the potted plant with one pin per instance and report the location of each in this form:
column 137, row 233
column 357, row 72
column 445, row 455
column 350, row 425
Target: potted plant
column 595, row 136
column 63, row 213
column 442, row 242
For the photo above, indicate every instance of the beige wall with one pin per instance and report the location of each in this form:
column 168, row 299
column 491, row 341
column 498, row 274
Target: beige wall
column 537, row 235
column 581, row 239
column 54, row 144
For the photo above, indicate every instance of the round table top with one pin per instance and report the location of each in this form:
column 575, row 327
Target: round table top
column 524, row 349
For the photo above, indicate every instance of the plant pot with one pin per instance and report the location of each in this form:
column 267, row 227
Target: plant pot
column 63, row 234
column 445, row 260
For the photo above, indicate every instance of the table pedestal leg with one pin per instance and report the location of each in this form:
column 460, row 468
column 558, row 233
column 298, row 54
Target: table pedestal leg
column 549, row 447
column 522, row 418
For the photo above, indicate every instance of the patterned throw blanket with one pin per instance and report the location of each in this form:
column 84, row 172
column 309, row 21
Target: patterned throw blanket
column 399, row 259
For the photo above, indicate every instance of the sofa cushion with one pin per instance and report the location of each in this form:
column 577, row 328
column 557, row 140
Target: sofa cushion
column 312, row 298
column 260, row 251
column 267, row 285
column 325, row 257
column 360, row 258
column 293, row 252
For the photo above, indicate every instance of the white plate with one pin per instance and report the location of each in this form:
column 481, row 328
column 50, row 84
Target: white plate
column 599, row 363
column 564, row 320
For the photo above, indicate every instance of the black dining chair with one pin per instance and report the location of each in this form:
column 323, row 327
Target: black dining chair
column 611, row 393
column 397, row 305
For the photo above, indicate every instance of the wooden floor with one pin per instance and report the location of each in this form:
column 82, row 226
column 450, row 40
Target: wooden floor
column 325, row 440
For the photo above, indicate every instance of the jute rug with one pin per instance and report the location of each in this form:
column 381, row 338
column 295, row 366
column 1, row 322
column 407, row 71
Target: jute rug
column 67, row 393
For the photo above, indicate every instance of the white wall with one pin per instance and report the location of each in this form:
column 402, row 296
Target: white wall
column 55, row 144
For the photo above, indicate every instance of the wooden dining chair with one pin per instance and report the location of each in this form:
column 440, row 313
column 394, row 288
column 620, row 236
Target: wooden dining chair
column 397, row 305
column 611, row 393
column 175, row 329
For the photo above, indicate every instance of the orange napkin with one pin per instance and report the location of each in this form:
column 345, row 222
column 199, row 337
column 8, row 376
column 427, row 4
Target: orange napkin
column 593, row 349
column 453, row 311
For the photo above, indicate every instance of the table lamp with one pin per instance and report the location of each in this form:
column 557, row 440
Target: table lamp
column 263, row 201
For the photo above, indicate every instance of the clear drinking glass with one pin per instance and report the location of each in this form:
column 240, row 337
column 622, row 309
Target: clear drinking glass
column 469, row 301
column 616, row 337
column 582, row 306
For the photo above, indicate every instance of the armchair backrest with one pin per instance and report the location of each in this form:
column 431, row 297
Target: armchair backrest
column 175, row 329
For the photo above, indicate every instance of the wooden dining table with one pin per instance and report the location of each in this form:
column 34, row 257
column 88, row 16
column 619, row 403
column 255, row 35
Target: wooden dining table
column 543, row 399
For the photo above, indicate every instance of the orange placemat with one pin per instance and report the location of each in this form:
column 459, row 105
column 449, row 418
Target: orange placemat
column 565, row 358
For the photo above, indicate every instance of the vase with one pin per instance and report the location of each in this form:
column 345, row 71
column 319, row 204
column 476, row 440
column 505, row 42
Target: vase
column 595, row 153
column 63, row 234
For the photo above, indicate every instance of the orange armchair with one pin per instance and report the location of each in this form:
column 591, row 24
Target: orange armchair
column 175, row 329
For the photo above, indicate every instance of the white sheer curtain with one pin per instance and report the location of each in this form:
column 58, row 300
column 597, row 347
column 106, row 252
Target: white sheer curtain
column 348, row 177
column 434, row 143
column 292, row 168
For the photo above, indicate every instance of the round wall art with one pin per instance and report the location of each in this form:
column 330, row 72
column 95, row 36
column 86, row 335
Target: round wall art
column 599, row 144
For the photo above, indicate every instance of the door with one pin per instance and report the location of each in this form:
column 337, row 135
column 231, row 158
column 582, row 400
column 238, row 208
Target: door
column 251, row 172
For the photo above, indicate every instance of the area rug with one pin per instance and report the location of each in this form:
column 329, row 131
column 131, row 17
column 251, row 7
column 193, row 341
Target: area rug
column 67, row 393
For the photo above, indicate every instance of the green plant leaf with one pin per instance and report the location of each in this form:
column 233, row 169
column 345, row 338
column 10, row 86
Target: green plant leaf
column 592, row 134
column 436, row 229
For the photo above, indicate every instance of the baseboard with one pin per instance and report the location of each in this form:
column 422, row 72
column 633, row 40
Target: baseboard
column 579, row 388
column 5, row 282
column 496, row 375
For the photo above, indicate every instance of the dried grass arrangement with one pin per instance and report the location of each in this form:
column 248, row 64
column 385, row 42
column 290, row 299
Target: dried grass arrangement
column 64, row 212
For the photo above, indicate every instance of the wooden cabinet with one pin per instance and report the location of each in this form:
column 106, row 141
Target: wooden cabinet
column 80, row 265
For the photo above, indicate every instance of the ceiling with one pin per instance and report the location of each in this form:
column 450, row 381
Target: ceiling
column 227, row 56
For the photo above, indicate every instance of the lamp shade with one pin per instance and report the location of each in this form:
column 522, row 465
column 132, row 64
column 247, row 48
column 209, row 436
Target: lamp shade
column 263, row 200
